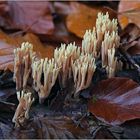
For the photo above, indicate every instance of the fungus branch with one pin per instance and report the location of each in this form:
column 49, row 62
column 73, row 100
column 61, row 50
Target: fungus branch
column 49, row 70
column 22, row 111
column 22, row 64
column 92, row 39
column 110, row 41
column 83, row 70
column 89, row 43
column 63, row 57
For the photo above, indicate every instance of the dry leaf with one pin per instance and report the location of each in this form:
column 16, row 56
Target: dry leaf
column 117, row 100
column 129, row 12
column 83, row 17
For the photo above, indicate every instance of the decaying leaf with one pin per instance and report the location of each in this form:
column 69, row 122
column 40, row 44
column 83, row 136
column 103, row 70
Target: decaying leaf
column 118, row 100
column 129, row 12
column 83, row 17
column 32, row 16
column 7, row 45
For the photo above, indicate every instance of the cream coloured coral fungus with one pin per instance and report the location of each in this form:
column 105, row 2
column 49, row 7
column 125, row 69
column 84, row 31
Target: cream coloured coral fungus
column 83, row 69
column 89, row 43
column 103, row 39
column 104, row 24
column 22, row 111
column 113, row 64
column 49, row 70
column 92, row 39
column 22, row 64
column 63, row 57
column 111, row 40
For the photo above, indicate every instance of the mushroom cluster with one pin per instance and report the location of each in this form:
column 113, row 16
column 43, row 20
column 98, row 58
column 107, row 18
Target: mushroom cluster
column 70, row 62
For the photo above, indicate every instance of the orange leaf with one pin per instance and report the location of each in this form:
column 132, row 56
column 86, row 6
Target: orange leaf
column 83, row 17
column 129, row 12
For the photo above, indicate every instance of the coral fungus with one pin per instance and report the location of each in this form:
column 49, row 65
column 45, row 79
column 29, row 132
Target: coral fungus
column 22, row 64
column 63, row 57
column 83, row 69
column 49, row 70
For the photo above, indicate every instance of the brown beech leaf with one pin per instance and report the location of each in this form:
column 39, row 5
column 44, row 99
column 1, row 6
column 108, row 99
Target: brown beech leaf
column 117, row 100
column 26, row 15
column 83, row 17
column 8, row 44
column 129, row 12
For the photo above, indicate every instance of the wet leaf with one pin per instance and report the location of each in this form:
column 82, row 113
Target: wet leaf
column 83, row 17
column 129, row 12
column 8, row 44
column 118, row 100
column 32, row 16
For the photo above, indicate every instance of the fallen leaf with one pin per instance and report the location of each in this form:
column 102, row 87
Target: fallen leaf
column 8, row 44
column 83, row 17
column 117, row 100
column 129, row 12
column 32, row 16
